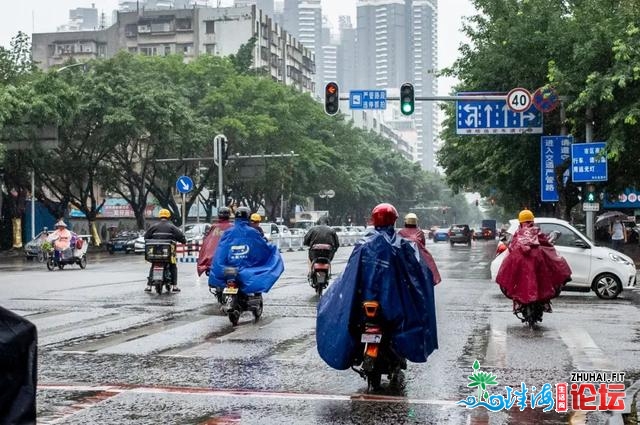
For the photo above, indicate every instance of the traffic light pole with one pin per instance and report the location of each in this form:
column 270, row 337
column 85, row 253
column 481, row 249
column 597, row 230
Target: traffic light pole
column 445, row 98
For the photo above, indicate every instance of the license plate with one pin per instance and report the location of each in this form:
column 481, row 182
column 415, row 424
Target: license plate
column 158, row 274
column 230, row 291
column 371, row 338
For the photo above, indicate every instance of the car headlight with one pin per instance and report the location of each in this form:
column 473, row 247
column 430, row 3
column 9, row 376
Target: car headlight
column 619, row 259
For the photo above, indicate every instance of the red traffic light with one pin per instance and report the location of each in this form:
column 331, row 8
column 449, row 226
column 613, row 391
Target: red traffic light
column 331, row 98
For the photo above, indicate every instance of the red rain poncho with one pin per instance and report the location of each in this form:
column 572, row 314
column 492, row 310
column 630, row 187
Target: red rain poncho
column 209, row 245
column 417, row 235
column 532, row 270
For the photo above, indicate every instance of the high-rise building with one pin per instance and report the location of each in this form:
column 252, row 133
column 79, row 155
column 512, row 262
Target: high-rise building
column 346, row 55
column 327, row 70
column 303, row 19
column 381, row 56
column 396, row 42
column 86, row 16
column 424, row 62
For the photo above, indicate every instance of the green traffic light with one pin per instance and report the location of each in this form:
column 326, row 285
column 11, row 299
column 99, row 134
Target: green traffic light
column 406, row 108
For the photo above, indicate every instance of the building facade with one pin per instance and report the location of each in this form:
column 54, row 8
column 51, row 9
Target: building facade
column 303, row 19
column 188, row 32
column 346, row 55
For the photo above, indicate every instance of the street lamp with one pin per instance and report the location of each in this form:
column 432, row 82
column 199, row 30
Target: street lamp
column 328, row 194
column 83, row 64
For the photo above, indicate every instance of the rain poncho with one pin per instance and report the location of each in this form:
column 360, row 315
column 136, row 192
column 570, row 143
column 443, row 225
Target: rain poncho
column 417, row 235
column 532, row 270
column 259, row 263
column 209, row 245
column 387, row 269
column 18, row 369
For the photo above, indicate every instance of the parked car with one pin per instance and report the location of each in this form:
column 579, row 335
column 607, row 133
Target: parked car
column 120, row 242
column 33, row 248
column 136, row 245
column 605, row 271
column 460, row 233
column 196, row 231
column 274, row 231
column 441, row 235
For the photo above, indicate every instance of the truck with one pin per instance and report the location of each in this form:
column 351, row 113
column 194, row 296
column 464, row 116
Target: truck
column 307, row 219
column 490, row 224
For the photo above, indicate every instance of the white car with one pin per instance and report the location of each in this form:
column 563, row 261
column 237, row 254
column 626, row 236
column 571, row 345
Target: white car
column 597, row 268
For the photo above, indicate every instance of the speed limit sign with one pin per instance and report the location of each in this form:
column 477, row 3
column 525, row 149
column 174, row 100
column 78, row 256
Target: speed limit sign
column 519, row 100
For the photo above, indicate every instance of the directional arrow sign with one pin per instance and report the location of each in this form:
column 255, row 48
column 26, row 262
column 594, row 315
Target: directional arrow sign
column 184, row 184
column 494, row 117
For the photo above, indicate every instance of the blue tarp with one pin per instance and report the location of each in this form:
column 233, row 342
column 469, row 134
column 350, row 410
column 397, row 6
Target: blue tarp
column 387, row 269
column 259, row 263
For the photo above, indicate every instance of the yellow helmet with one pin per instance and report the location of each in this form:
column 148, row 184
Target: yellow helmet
column 164, row 213
column 524, row 216
column 255, row 217
column 411, row 218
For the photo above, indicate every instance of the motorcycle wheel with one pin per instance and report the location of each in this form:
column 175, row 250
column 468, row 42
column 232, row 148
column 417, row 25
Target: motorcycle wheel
column 319, row 289
column 159, row 287
column 50, row 265
column 374, row 380
column 257, row 312
column 83, row 262
column 234, row 317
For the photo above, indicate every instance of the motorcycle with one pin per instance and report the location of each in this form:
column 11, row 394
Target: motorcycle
column 76, row 254
column 320, row 268
column 160, row 253
column 531, row 313
column 235, row 302
column 378, row 357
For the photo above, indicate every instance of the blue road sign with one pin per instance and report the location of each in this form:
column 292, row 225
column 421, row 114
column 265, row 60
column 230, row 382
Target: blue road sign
column 494, row 117
column 184, row 184
column 554, row 151
column 588, row 162
column 368, row 99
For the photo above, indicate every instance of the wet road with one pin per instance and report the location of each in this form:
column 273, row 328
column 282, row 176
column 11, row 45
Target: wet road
column 110, row 353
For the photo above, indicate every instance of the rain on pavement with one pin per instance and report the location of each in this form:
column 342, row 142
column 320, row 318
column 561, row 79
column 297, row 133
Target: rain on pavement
column 111, row 353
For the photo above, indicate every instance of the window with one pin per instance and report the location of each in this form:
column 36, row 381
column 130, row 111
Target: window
column 567, row 236
column 210, row 49
column 167, row 50
column 209, row 27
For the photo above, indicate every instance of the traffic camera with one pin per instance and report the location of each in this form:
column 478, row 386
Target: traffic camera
column 407, row 99
column 331, row 98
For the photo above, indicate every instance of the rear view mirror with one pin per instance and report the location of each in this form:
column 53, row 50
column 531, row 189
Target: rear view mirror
column 580, row 243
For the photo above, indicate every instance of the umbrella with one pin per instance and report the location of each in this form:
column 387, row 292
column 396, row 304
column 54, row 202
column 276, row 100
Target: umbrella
column 609, row 217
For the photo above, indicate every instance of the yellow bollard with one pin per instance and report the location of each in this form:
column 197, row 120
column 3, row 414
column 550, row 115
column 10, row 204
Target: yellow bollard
column 17, row 232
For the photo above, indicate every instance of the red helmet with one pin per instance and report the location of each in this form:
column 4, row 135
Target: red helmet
column 384, row 215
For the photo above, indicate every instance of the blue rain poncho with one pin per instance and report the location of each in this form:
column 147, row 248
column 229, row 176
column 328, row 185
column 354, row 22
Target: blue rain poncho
column 387, row 269
column 259, row 263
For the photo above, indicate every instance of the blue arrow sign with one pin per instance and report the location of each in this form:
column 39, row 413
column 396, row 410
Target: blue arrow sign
column 184, row 184
column 494, row 117
column 588, row 162
column 368, row 99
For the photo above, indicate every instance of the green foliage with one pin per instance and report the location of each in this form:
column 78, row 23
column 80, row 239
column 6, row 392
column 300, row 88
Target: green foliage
column 590, row 57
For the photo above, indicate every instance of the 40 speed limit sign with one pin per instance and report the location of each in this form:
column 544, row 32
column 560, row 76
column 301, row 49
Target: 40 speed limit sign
column 519, row 100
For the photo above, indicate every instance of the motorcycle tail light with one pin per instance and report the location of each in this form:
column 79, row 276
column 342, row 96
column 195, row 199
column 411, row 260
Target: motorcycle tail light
column 232, row 284
column 370, row 308
column 502, row 247
column 373, row 330
column 372, row 350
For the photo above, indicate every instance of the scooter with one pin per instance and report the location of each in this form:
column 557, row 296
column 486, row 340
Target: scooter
column 160, row 253
column 320, row 268
column 76, row 254
column 378, row 357
column 235, row 302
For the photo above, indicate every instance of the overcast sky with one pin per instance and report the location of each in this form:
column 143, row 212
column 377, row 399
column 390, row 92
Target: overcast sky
column 46, row 15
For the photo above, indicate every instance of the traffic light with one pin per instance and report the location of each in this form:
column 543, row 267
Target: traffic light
column 331, row 98
column 591, row 194
column 407, row 99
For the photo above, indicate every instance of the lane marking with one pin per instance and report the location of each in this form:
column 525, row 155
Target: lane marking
column 584, row 351
column 219, row 392
column 496, row 353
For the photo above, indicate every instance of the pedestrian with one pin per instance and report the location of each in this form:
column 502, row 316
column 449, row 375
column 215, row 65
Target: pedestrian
column 412, row 232
column 618, row 235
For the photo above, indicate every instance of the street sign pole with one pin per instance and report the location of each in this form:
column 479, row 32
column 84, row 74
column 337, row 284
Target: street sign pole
column 219, row 160
column 589, row 139
column 184, row 211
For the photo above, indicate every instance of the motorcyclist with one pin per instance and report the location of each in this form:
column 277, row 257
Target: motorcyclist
column 532, row 271
column 387, row 269
column 321, row 234
column 211, row 240
column 254, row 221
column 165, row 230
column 62, row 238
column 412, row 232
column 258, row 263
